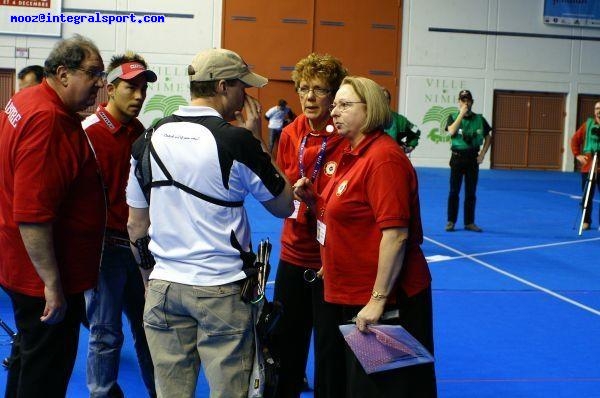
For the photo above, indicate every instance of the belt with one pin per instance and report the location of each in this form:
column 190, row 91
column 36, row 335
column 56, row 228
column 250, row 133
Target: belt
column 465, row 154
column 116, row 239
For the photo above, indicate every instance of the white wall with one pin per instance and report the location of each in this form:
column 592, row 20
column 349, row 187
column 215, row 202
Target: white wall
column 435, row 66
column 168, row 47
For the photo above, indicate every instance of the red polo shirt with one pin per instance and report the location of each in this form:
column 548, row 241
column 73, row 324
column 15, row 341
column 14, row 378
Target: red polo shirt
column 112, row 143
column 298, row 238
column 375, row 187
column 577, row 145
column 48, row 174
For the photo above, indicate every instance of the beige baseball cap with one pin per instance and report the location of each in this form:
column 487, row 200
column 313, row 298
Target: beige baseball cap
column 218, row 63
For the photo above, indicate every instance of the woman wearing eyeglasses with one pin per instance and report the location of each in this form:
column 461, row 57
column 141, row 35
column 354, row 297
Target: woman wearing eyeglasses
column 308, row 147
column 369, row 227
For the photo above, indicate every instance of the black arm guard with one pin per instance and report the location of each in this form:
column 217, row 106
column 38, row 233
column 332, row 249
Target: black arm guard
column 146, row 258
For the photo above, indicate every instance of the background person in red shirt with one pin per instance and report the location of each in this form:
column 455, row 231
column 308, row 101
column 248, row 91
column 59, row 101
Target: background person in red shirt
column 579, row 141
column 52, row 215
column 112, row 130
column 370, row 233
column 306, row 148
column 30, row 76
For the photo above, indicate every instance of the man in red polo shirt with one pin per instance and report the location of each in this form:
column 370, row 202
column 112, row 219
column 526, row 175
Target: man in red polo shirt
column 112, row 130
column 52, row 216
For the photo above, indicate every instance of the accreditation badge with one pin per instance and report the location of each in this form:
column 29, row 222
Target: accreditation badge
column 321, row 230
column 296, row 208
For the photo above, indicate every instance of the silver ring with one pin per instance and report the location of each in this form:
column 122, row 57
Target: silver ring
column 310, row 275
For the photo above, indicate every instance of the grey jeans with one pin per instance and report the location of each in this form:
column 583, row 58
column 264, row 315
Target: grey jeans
column 187, row 326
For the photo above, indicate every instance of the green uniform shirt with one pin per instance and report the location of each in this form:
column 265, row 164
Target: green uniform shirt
column 471, row 133
column 401, row 129
column 592, row 141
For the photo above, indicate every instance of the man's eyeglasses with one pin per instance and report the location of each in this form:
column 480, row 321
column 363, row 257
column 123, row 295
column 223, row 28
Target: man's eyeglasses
column 317, row 91
column 343, row 106
column 94, row 74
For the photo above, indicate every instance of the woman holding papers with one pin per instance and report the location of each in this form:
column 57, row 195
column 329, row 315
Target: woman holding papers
column 369, row 228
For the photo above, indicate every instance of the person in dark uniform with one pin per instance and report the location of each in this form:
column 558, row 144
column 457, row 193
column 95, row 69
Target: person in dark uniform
column 468, row 132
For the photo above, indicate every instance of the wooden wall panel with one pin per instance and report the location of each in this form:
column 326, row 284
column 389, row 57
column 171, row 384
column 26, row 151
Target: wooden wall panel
column 364, row 36
column 270, row 36
column 7, row 86
column 273, row 36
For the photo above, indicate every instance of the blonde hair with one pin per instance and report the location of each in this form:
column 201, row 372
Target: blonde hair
column 379, row 115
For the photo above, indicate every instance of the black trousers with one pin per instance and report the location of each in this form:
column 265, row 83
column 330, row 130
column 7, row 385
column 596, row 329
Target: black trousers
column 303, row 311
column 587, row 217
column 463, row 166
column 43, row 362
column 417, row 381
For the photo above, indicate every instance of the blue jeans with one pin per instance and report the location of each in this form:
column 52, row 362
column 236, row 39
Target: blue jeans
column 120, row 289
column 189, row 326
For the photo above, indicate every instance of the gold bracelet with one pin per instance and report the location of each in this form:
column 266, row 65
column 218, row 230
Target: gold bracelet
column 378, row 296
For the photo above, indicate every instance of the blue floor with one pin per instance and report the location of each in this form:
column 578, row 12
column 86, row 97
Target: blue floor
column 516, row 308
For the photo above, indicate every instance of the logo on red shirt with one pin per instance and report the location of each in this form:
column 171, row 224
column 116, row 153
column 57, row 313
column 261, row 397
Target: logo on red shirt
column 330, row 168
column 342, row 188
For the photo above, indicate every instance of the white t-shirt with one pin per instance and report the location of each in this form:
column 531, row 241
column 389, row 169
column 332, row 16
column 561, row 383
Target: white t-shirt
column 191, row 237
column 276, row 116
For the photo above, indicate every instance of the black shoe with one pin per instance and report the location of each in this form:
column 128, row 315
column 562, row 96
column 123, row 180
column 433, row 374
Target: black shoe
column 450, row 226
column 473, row 228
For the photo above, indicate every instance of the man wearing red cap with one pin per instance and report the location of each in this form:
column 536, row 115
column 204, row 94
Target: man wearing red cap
column 112, row 130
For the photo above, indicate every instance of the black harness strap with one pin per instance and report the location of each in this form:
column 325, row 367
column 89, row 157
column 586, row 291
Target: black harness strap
column 144, row 174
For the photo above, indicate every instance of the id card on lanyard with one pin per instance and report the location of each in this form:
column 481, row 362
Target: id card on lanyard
column 315, row 173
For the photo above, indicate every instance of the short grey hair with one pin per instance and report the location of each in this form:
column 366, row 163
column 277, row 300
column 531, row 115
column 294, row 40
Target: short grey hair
column 70, row 53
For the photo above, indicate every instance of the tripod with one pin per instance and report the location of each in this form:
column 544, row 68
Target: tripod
column 12, row 334
column 589, row 185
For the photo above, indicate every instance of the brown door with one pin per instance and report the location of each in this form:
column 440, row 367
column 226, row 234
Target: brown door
column 528, row 130
column 7, row 85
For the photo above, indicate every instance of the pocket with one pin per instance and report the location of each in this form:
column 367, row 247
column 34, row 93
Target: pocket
column 154, row 309
column 227, row 314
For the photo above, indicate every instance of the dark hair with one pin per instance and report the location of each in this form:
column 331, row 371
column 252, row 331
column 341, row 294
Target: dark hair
column 37, row 70
column 325, row 67
column 206, row 89
column 282, row 103
column 69, row 53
